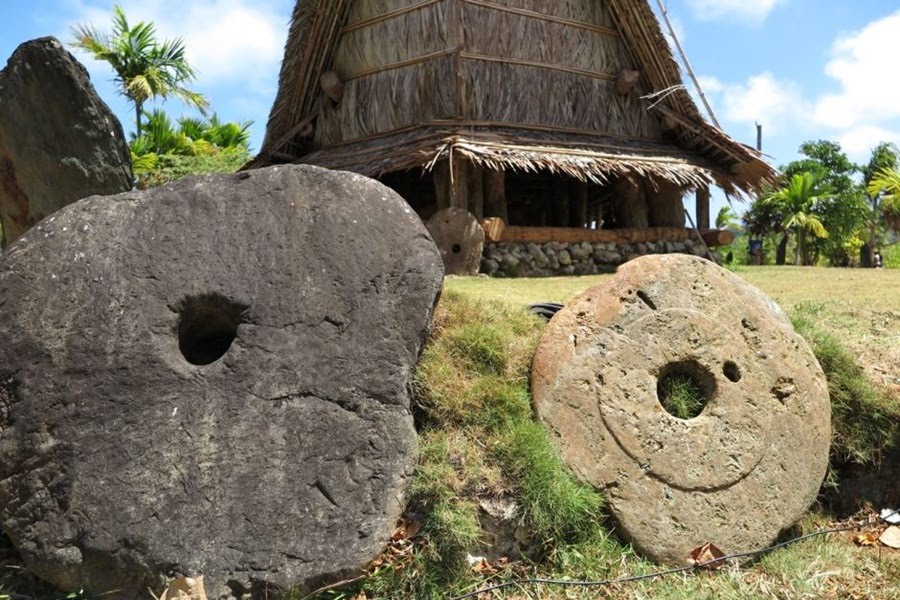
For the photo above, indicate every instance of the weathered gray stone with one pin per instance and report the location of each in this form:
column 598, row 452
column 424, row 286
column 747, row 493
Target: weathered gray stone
column 460, row 239
column 59, row 142
column 212, row 377
column 737, row 474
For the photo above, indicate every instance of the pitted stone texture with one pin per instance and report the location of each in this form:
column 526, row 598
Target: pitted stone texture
column 738, row 474
column 281, row 463
column 59, row 142
column 460, row 239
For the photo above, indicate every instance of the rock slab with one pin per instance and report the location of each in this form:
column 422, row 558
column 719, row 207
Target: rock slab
column 212, row 378
column 743, row 470
column 59, row 142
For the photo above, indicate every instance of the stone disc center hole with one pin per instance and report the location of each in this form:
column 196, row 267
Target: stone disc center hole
column 684, row 389
column 207, row 326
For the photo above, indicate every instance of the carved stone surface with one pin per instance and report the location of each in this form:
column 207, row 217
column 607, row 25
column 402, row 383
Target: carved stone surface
column 59, row 142
column 460, row 239
column 212, row 377
column 738, row 474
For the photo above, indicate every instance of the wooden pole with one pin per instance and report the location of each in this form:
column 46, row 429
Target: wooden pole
column 495, row 194
column 703, row 208
column 475, row 189
column 441, row 176
column 578, row 193
column 459, row 176
column 687, row 64
column 560, row 204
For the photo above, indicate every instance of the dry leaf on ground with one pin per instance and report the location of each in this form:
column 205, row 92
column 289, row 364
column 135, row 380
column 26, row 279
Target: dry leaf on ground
column 706, row 556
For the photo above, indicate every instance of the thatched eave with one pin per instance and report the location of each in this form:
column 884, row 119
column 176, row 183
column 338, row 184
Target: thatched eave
column 587, row 158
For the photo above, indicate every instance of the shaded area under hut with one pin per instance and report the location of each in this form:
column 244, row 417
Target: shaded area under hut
column 543, row 114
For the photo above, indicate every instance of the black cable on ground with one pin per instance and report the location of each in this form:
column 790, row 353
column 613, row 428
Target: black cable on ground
column 696, row 567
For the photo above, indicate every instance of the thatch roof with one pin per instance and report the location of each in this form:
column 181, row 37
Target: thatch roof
column 513, row 84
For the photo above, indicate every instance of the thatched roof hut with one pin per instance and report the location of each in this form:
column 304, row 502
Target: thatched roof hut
column 572, row 100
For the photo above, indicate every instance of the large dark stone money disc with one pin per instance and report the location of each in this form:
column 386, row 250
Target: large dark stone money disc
column 212, row 377
column 738, row 473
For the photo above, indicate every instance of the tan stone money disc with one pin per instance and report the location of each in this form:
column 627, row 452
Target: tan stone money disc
column 460, row 239
column 737, row 474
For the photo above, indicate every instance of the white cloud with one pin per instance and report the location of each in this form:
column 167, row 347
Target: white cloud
column 226, row 40
column 864, row 63
column 755, row 11
column 761, row 99
column 858, row 142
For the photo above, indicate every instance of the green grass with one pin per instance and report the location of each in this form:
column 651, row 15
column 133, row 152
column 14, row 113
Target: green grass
column 681, row 395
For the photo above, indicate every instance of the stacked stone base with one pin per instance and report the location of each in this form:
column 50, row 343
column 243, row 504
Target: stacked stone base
column 505, row 259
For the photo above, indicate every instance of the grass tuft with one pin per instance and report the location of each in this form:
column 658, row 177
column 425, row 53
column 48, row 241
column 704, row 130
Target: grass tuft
column 681, row 395
column 865, row 420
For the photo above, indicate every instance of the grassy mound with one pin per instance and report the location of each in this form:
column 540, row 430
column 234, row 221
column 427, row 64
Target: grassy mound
column 479, row 441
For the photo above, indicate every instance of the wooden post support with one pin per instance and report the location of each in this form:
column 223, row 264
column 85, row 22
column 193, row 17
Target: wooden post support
column 559, row 207
column 475, row 189
column 703, row 208
column 459, row 176
column 578, row 193
column 495, row 194
column 441, row 175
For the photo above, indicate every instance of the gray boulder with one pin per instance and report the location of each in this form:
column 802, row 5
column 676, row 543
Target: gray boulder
column 59, row 142
column 212, row 377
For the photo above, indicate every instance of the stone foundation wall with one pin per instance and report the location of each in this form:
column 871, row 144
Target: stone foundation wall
column 586, row 258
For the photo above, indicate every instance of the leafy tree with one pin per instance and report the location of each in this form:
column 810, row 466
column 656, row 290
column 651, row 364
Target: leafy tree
column 796, row 202
column 844, row 210
column 885, row 185
column 145, row 67
column 167, row 151
column 766, row 218
column 877, row 181
column 726, row 219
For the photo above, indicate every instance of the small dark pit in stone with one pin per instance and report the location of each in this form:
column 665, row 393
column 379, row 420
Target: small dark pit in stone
column 207, row 325
column 732, row 371
column 456, row 249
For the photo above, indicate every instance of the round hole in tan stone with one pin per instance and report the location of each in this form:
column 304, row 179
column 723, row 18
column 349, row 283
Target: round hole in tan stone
column 684, row 389
column 732, row 371
column 207, row 325
column 456, row 249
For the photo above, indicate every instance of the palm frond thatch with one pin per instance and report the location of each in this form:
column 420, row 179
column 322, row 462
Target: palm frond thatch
column 513, row 84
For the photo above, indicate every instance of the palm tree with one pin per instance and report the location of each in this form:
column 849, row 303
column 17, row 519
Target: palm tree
column 796, row 202
column 145, row 68
column 885, row 188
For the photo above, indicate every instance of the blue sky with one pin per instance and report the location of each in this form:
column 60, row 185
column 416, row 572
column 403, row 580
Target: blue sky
column 805, row 69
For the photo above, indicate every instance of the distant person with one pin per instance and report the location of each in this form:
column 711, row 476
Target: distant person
column 877, row 261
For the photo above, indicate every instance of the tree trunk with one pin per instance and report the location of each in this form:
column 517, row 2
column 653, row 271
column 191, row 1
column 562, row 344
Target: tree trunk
column 138, row 109
column 781, row 252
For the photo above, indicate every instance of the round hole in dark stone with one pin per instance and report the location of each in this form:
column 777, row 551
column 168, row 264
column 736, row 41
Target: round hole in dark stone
column 684, row 389
column 732, row 371
column 207, row 325
column 456, row 249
